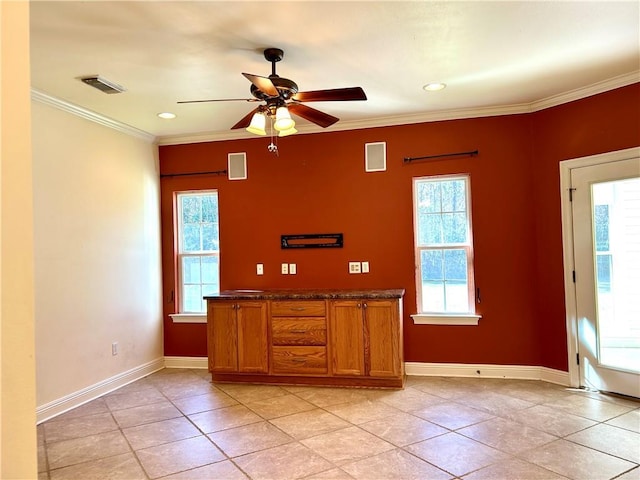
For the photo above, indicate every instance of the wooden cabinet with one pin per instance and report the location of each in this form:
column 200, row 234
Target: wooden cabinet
column 299, row 337
column 365, row 338
column 237, row 337
column 337, row 338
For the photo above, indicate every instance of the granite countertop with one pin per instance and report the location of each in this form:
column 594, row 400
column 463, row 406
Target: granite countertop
column 301, row 294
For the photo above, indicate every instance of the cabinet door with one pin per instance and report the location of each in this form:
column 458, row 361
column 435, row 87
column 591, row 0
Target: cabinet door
column 222, row 337
column 347, row 337
column 252, row 337
column 382, row 342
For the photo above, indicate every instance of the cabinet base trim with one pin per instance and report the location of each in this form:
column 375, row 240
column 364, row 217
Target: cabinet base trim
column 304, row 380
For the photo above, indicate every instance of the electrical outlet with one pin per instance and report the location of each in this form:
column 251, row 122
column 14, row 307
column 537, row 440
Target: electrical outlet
column 292, row 269
column 285, row 269
column 114, row 348
column 365, row 267
column 259, row 269
column 354, row 267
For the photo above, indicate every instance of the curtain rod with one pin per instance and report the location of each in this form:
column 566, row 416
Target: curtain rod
column 443, row 155
column 217, row 172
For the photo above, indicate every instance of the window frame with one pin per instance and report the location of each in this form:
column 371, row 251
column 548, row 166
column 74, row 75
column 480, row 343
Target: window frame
column 470, row 316
column 183, row 316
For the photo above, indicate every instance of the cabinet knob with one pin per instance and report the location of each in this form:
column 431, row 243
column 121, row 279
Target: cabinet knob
column 364, row 305
column 359, row 305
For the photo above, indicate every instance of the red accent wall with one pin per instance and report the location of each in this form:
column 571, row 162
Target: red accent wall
column 318, row 185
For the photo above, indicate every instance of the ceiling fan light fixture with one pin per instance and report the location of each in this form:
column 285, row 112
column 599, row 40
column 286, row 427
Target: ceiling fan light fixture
column 258, row 122
column 285, row 133
column 283, row 119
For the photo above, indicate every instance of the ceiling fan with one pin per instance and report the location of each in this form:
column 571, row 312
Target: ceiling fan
column 281, row 98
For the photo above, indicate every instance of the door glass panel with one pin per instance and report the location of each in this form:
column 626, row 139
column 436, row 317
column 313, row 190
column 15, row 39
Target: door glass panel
column 616, row 229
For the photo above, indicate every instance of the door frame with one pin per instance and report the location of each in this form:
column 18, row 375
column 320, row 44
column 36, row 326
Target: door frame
column 567, row 246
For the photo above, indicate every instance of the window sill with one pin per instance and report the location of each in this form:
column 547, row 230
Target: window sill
column 446, row 319
column 189, row 317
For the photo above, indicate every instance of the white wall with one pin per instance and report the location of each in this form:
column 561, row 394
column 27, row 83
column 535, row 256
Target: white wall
column 97, row 257
column 17, row 385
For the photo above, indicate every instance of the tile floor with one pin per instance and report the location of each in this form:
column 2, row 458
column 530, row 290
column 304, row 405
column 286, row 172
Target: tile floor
column 175, row 424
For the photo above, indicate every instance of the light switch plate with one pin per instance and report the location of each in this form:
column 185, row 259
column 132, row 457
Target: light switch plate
column 365, row 267
column 285, row 269
column 259, row 269
column 354, row 267
column 292, row 269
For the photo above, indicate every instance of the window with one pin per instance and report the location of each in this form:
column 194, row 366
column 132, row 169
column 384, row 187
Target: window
column 198, row 249
column 444, row 251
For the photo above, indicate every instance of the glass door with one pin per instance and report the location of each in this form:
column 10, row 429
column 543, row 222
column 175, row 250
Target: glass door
column 606, row 233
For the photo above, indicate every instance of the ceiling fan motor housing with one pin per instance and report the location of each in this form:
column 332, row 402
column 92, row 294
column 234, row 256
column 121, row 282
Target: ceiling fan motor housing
column 286, row 88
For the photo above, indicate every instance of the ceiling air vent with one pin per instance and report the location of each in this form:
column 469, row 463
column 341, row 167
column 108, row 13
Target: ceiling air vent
column 102, row 84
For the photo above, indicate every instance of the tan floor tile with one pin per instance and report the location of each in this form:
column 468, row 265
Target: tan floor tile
column 452, row 415
column 362, row 411
column 550, row 420
column 154, row 412
column 43, row 476
column 411, row 399
column 506, row 435
column 224, row 418
column 534, row 391
column 326, row 396
column 134, row 399
column 201, row 403
column 514, row 469
column 40, row 433
column 284, row 462
column 577, row 462
column 628, row 421
column 403, row 429
column 198, row 386
column 311, row 423
column 224, row 470
column 346, row 445
column 157, row 433
column 456, row 454
column 247, row 393
column 118, row 467
column 249, row 438
column 495, row 403
column 630, row 475
column 280, row 406
column 590, row 408
column 612, row 440
column 78, row 450
column 42, row 459
column 179, row 456
column 333, row 474
column 90, row 408
column 57, row 430
column 393, row 465
column 443, row 387
column 136, row 386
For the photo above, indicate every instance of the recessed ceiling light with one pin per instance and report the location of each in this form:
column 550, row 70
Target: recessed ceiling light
column 167, row 115
column 434, row 87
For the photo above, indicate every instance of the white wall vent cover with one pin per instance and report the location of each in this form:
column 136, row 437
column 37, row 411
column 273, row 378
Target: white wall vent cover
column 237, row 166
column 375, row 157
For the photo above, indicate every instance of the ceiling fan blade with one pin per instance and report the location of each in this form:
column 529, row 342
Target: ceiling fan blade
column 311, row 114
column 246, row 120
column 221, row 100
column 336, row 94
column 263, row 83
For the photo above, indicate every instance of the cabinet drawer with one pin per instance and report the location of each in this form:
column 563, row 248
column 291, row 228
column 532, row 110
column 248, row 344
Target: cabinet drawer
column 300, row 360
column 299, row 331
column 298, row 308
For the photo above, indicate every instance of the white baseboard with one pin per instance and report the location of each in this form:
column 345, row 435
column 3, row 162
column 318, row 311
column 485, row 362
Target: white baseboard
column 186, row 362
column 487, row 371
column 75, row 399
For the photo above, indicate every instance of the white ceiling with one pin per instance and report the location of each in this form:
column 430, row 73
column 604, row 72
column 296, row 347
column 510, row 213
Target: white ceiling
column 490, row 54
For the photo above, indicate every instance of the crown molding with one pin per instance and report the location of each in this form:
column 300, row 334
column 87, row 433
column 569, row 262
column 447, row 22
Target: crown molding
column 584, row 92
column 69, row 107
column 424, row 117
